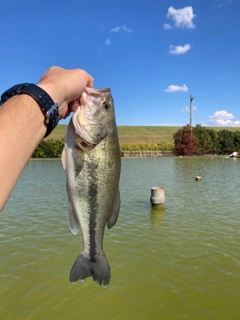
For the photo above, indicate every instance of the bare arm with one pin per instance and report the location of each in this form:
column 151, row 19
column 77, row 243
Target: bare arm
column 22, row 122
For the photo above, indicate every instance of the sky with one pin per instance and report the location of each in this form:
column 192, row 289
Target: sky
column 152, row 54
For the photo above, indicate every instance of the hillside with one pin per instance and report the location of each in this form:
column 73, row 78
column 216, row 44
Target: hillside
column 130, row 134
column 136, row 134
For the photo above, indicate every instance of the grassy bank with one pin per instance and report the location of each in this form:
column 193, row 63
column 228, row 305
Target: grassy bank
column 130, row 134
column 136, row 134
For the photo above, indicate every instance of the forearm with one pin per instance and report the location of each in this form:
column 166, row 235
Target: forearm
column 22, row 128
column 22, row 122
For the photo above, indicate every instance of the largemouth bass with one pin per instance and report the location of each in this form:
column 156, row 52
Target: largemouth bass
column 91, row 158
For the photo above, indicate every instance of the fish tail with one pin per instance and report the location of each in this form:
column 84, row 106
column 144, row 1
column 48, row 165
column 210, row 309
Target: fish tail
column 96, row 266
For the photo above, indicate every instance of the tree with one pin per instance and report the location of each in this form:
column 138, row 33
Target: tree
column 207, row 139
column 185, row 143
column 214, row 146
column 202, row 140
column 236, row 139
column 226, row 141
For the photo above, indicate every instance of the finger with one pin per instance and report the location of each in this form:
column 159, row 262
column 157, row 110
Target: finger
column 73, row 105
column 90, row 82
column 67, row 114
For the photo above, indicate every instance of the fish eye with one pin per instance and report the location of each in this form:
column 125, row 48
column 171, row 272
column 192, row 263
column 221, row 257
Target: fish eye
column 106, row 106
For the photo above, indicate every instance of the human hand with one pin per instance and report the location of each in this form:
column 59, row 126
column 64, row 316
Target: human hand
column 65, row 87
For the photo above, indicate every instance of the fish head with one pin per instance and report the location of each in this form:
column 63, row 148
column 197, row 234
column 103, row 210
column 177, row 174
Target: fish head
column 95, row 117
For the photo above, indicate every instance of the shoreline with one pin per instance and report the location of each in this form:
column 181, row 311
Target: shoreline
column 144, row 157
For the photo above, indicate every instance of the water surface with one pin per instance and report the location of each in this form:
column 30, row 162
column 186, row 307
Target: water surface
column 179, row 263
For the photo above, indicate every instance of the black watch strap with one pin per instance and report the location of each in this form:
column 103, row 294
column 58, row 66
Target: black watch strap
column 48, row 106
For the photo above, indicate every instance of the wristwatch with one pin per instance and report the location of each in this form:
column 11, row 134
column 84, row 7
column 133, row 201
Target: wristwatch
column 49, row 108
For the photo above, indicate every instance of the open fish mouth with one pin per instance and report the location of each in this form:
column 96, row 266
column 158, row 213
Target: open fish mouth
column 83, row 120
column 86, row 126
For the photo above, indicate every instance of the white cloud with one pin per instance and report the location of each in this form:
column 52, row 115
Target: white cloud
column 179, row 49
column 123, row 27
column 182, row 17
column 174, row 88
column 115, row 29
column 107, row 42
column 187, row 109
column 167, row 26
column 223, row 119
column 221, row 3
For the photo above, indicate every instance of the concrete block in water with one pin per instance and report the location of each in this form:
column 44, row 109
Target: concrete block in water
column 157, row 196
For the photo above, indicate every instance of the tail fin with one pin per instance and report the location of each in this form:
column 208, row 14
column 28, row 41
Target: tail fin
column 97, row 267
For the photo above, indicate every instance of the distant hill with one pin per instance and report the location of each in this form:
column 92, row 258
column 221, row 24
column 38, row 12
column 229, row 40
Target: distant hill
column 137, row 134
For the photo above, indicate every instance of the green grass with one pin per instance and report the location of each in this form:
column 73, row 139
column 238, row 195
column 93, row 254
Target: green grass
column 130, row 134
column 136, row 134
column 58, row 133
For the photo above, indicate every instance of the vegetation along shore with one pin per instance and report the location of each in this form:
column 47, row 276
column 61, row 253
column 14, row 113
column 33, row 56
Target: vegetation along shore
column 145, row 141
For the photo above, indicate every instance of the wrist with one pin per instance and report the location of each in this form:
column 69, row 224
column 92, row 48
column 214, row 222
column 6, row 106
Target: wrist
column 43, row 99
column 54, row 94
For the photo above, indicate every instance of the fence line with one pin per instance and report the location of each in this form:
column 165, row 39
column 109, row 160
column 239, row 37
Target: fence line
column 143, row 154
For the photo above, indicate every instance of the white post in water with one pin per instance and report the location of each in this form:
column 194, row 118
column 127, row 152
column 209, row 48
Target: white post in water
column 157, row 196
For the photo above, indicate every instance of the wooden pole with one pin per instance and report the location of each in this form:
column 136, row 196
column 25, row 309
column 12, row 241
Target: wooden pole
column 191, row 99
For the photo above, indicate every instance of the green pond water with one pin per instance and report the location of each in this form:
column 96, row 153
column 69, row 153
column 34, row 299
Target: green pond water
column 179, row 263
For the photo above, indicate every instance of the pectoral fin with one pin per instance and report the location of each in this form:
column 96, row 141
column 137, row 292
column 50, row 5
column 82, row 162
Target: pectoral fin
column 115, row 211
column 72, row 219
column 64, row 158
column 82, row 148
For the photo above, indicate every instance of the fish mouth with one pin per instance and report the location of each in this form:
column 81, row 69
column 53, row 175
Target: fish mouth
column 87, row 128
column 82, row 121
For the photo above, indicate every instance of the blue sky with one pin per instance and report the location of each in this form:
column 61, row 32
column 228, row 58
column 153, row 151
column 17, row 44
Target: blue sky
column 153, row 54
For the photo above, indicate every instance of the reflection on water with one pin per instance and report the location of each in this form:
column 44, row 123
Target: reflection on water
column 181, row 261
column 157, row 216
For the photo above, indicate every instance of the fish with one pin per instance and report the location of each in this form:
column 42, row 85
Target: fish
column 92, row 161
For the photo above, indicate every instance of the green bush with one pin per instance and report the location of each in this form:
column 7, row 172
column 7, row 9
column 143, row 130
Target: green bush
column 49, row 149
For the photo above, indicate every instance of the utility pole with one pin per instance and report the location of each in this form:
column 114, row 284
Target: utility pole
column 191, row 99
